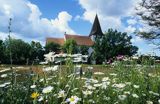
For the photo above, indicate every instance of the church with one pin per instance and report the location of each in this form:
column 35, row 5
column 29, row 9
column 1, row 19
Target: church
column 80, row 40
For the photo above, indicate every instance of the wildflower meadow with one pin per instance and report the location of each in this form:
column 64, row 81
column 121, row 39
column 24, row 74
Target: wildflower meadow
column 79, row 51
column 77, row 83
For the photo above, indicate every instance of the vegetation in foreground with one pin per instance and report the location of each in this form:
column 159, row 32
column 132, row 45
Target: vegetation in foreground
column 113, row 84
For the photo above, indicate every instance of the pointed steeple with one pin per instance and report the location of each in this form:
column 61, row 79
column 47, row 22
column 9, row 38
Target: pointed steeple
column 96, row 28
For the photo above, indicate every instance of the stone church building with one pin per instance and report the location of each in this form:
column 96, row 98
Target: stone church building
column 81, row 40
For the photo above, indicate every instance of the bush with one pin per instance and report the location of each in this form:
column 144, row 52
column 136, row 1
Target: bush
column 70, row 46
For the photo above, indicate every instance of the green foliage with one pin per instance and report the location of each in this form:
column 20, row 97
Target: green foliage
column 19, row 50
column 111, row 44
column 98, row 53
column 123, row 84
column 36, row 51
column 1, row 51
column 52, row 47
column 83, row 50
column 146, row 60
column 70, row 46
column 151, row 17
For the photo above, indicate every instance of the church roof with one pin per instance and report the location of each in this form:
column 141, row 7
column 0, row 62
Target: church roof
column 80, row 40
column 96, row 28
column 59, row 41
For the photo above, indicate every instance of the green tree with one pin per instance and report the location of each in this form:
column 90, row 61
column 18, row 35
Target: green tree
column 19, row 49
column 36, row 51
column 1, row 51
column 52, row 47
column 151, row 16
column 98, row 54
column 70, row 46
column 83, row 49
column 111, row 44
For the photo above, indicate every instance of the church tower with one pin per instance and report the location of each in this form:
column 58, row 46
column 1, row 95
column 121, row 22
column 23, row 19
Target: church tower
column 96, row 30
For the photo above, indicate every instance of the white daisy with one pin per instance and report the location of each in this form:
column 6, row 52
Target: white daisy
column 135, row 95
column 136, row 86
column 40, row 98
column 87, row 92
column 122, row 97
column 120, row 85
column 98, row 73
column 47, row 89
column 33, row 86
column 149, row 102
column 105, row 79
column 3, row 75
column 73, row 100
column 61, row 93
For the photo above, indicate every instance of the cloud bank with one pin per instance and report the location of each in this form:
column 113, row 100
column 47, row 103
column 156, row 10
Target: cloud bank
column 110, row 12
column 27, row 22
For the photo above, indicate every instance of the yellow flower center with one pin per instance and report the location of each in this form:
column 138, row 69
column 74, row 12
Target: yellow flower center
column 72, row 99
column 34, row 95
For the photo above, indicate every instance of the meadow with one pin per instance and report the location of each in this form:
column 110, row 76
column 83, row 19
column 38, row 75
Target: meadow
column 80, row 84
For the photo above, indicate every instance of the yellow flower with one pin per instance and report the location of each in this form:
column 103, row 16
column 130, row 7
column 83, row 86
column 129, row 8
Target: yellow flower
column 34, row 95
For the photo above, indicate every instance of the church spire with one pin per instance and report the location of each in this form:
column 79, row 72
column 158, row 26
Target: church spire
column 96, row 28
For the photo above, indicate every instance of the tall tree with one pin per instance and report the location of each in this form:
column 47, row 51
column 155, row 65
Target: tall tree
column 36, row 51
column 19, row 50
column 111, row 44
column 70, row 46
column 52, row 47
column 83, row 49
column 149, row 11
column 98, row 54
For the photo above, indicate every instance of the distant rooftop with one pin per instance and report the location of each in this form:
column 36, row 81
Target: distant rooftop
column 59, row 41
column 80, row 40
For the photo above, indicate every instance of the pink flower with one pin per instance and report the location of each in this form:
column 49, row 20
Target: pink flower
column 120, row 57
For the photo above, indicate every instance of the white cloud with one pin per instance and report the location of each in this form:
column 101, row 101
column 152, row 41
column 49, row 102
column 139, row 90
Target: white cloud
column 109, row 7
column 130, row 29
column 131, row 21
column 140, row 51
column 27, row 21
column 136, row 39
column 61, row 23
column 110, row 12
column 4, row 35
column 78, row 17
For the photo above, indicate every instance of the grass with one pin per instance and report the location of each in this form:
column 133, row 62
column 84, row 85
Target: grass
column 118, row 84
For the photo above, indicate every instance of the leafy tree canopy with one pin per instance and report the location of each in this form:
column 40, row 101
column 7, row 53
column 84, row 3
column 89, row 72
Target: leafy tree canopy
column 70, row 46
column 36, row 51
column 19, row 50
column 52, row 47
column 111, row 44
column 83, row 49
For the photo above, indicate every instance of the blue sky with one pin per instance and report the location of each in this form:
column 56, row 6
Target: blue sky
column 38, row 19
column 53, row 8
